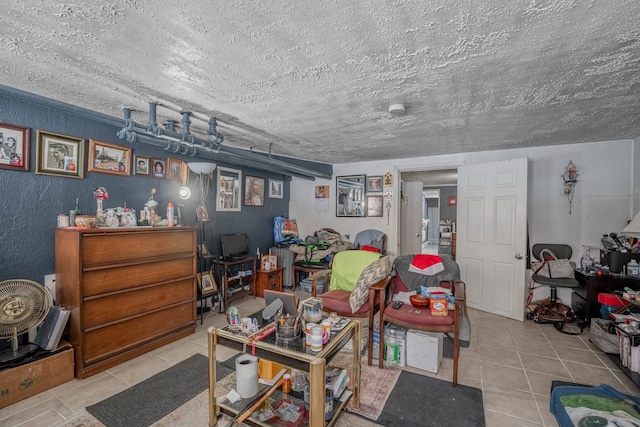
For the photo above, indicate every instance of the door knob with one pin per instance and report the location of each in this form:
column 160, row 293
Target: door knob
column 519, row 255
column 418, row 234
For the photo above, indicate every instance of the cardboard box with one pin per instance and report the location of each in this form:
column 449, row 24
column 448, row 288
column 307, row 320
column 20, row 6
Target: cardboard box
column 267, row 369
column 35, row 377
column 424, row 350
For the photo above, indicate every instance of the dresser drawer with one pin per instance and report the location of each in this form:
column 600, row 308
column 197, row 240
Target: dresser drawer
column 111, row 340
column 109, row 308
column 108, row 248
column 100, row 281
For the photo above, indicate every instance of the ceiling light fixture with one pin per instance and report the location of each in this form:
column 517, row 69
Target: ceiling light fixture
column 397, row 109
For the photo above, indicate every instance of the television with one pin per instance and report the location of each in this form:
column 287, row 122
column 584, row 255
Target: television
column 234, row 246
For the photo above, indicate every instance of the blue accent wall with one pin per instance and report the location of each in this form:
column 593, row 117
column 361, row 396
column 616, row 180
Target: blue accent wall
column 30, row 203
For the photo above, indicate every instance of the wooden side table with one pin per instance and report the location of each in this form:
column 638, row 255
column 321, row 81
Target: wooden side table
column 269, row 279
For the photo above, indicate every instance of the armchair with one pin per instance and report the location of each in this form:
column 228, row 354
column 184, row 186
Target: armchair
column 422, row 320
column 358, row 281
column 373, row 238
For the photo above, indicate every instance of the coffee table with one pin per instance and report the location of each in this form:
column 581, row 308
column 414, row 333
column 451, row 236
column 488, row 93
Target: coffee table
column 293, row 354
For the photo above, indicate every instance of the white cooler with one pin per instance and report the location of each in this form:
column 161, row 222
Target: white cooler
column 424, row 350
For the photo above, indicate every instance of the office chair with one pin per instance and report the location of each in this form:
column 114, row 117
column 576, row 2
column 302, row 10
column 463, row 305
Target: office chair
column 561, row 251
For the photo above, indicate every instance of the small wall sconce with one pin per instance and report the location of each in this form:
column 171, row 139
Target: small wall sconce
column 570, row 178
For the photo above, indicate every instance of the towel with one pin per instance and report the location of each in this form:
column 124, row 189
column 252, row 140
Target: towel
column 426, row 264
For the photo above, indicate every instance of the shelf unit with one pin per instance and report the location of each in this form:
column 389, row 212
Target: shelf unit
column 234, row 283
column 205, row 263
column 447, row 241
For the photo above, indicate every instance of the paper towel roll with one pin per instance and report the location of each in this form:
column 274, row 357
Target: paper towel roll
column 247, row 375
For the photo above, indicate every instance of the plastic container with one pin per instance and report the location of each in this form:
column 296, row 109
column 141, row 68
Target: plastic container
column 316, row 338
column 606, row 309
column 611, row 299
column 305, row 285
column 633, row 268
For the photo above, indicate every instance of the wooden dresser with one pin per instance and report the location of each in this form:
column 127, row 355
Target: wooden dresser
column 129, row 291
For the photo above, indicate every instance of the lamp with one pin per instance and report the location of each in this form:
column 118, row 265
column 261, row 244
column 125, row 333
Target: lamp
column 203, row 169
column 633, row 228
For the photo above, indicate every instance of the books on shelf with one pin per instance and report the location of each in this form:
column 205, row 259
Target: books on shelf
column 50, row 331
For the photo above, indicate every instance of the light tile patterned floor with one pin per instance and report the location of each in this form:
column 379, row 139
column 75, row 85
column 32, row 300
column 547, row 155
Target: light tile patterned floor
column 512, row 362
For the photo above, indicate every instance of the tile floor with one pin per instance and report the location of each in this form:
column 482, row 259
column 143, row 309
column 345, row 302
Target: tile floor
column 512, row 362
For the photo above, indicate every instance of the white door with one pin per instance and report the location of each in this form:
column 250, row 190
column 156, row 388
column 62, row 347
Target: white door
column 411, row 218
column 491, row 235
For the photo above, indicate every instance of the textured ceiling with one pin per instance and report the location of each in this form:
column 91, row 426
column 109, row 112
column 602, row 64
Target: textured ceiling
column 315, row 78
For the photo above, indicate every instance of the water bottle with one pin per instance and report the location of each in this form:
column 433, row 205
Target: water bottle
column 391, row 351
column 170, row 215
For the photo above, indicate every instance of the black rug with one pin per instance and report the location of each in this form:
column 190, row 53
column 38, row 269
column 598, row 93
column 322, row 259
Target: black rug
column 421, row 401
column 147, row 402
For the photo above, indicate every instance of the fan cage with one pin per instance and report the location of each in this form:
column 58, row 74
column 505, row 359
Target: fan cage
column 24, row 304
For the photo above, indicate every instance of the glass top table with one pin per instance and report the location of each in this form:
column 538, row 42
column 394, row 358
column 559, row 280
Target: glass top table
column 292, row 354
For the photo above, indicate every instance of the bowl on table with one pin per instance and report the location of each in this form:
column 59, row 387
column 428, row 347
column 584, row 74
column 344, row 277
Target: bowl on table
column 419, row 301
column 85, row 221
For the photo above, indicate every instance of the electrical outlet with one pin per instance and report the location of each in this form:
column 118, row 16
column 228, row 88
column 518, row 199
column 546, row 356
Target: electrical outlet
column 50, row 283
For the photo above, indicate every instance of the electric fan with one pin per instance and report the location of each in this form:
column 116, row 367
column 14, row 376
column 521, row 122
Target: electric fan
column 24, row 304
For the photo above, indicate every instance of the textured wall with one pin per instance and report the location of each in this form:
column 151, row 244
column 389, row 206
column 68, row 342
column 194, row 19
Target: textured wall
column 31, row 202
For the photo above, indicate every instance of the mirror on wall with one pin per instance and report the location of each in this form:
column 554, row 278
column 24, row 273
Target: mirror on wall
column 350, row 194
column 229, row 189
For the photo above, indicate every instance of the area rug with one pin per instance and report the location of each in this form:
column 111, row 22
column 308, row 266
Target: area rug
column 375, row 385
column 417, row 400
column 147, row 402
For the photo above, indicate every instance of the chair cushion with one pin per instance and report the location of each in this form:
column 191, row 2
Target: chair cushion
column 372, row 274
column 338, row 301
column 408, row 314
column 347, row 266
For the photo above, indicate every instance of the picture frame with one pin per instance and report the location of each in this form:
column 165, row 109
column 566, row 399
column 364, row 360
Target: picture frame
column 202, row 249
column 264, row 263
column 375, row 206
column 253, row 191
column 350, row 201
column 273, row 261
column 268, row 262
column 374, row 184
column 207, row 283
column 276, row 189
column 452, row 201
column 322, row 192
column 202, row 213
column 59, row 155
column 159, row 169
column 14, row 147
column 177, row 169
column 109, row 158
column 141, row 165
column 228, row 190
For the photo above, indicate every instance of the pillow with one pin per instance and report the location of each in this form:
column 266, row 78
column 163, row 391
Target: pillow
column 371, row 275
column 347, row 266
column 369, row 248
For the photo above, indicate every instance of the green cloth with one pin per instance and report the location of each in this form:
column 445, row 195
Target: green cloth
column 347, row 266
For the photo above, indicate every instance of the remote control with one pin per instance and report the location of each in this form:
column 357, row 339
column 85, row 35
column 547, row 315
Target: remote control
column 397, row 304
